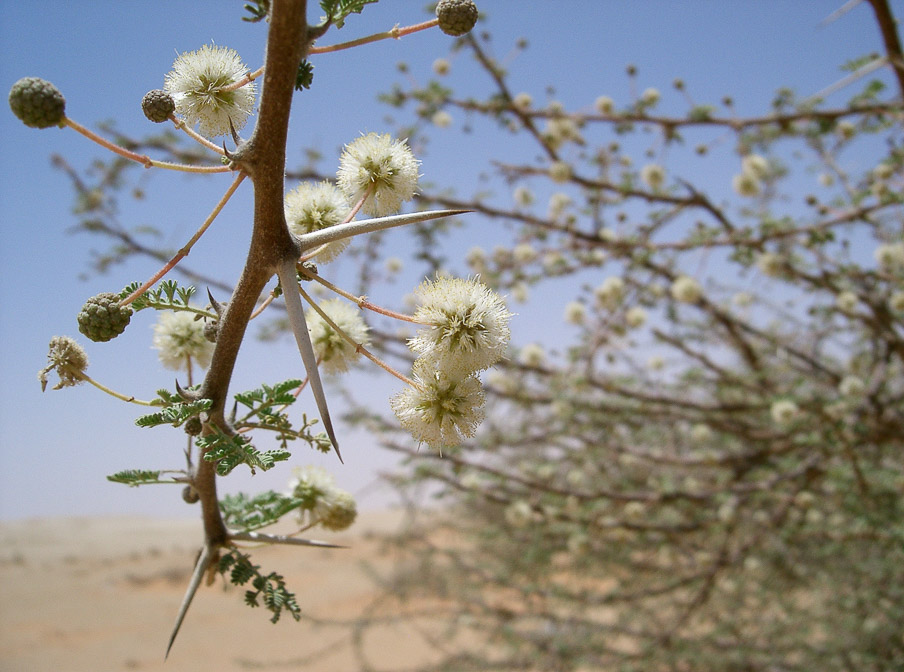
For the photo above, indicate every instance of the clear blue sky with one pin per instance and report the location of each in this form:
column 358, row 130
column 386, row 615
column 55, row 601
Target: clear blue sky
column 57, row 447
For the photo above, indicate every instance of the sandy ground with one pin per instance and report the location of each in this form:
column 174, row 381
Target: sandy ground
column 102, row 593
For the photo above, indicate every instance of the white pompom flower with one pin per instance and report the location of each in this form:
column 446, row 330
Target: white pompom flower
column 197, row 82
column 314, row 206
column 686, row 290
column 334, row 353
column 179, row 340
column 381, row 167
column 466, row 325
column 784, row 411
column 440, row 410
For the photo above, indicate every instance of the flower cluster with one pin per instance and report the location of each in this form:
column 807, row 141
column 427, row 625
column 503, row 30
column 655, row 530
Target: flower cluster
column 334, row 352
column 465, row 331
column 327, row 505
column 180, row 342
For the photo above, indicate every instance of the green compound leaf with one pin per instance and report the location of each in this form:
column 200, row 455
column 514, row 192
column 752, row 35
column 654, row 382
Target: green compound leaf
column 337, row 10
column 175, row 414
column 305, row 75
column 269, row 589
column 168, row 295
column 280, row 394
column 244, row 513
column 135, row 477
column 230, row 451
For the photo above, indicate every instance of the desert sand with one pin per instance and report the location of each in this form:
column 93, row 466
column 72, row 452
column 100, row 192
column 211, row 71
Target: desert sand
column 102, row 593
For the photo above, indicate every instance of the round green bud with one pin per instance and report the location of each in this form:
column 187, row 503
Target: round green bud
column 158, row 105
column 456, row 17
column 37, row 102
column 193, row 426
column 102, row 318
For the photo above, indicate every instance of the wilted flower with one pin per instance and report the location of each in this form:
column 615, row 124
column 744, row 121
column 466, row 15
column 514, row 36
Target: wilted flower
column 69, row 360
column 314, row 206
column 197, row 82
column 334, row 353
column 179, row 339
column 383, row 168
column 440, row 410
column 466, row 325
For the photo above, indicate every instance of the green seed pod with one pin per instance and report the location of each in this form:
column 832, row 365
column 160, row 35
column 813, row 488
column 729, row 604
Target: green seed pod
column 102, row 318
column 456, row 17
column 37, row 102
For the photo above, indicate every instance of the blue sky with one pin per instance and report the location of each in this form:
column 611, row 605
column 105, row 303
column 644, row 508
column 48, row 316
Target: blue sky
column 57, row 447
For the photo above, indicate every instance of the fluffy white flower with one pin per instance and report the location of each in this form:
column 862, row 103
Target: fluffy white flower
column 686, row 289
column 532, row 355
column 384, row 168
column 336, row 510
column 441, row 66
column 896, row 302
column 440, row 410
column 890, row 256
column 179, row 339
column 604, row 105
column 851, row 386
column 635, row 317
column 575, row 312
column 783, row 411
column 466, row 325
column 559, row 171
column 523, row 101
column 441, row 119
column 650, row 96
column 334, row 353
column 771, row 264
column 610, row 293
column 518, row 513
column 653, row 175
column 314, row 206
column 846, row 301
column 755, row 165
column 196, row 84
column 746, row 184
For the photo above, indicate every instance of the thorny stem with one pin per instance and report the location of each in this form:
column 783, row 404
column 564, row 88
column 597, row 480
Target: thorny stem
column 143, row 159
column 358, row 346
column 181, row 254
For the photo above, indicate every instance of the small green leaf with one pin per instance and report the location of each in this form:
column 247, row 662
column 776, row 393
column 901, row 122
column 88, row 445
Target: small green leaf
column 136, row 477
column 175, row 414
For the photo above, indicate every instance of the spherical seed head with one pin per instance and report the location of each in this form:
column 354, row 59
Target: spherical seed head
column 37, row 102
column 158, row 105
column 102, row 318
column 456, row 17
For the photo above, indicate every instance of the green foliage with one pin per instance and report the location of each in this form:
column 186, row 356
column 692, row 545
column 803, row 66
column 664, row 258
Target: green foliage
column 167, row 296
column 305, row 75
column 245, row 513
column 135, row 477
column 229, row 451
column 338, row 10
column 258, row 11
column 174, row 414
column 269, row 590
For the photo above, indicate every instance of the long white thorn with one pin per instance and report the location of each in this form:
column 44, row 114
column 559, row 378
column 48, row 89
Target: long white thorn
column 340, row 231
column 295, row 311
column 197, row 575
